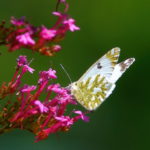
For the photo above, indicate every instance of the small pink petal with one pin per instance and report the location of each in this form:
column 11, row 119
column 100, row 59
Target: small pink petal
column 22, row 60
column 62, row 1
column 56, row 88
column 41, row 106
column 46, row 75
column 25, row 39
column 52, row 73
column 28, row 88
column 56, row 48
column 82, row 115
column 57, row 13
column 17, row 22
column 70, row 23
column 47, row 34
column 28, row 68
column 65, row 119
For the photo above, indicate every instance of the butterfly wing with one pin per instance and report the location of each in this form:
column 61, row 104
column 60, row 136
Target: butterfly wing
column 99, row 80
column 90, row 93
column 118, row 72
column 120, row 69
column 103, row 66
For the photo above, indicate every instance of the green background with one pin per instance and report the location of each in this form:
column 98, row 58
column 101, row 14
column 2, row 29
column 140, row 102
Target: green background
column 123, row 121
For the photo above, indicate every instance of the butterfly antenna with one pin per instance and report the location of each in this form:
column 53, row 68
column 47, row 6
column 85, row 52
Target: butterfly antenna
column 66, row 73
column 30, row 61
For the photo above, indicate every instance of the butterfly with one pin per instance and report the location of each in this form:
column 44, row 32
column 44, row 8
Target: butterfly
column 98, row 82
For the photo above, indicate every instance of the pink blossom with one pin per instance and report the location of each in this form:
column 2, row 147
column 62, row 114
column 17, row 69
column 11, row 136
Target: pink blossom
column 70, row 23
column 18, row 22
column 28, row 68
column 22, row 60
column 50, row 115
column 31, row 29
column 27, row 88
column 42, row 108
column 52, row 74
column 42, row 39
column 61, row 16
column 67, row 121
column 82, row 115
column 56, row 48
column 26, row 111
column 25, row 39
column 47, row 34
column 53, row 109
column 46, row 75
column 57, row 14
column 62, row 1
column 55, row 88
column 64, row 97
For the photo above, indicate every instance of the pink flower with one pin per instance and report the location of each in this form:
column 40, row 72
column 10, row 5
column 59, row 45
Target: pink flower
column 57, row 14
column 42, row 108
column 67, row 121
column 25, row 39
column 82, row 115
column 28, row 68
column 64, row 97
column 51, row 74
column 56, row 48
column 70, row 23
column 27, row 88
column 47, row 34
column 62, row 1
column 26, row 111
column 22, row 60
column 31, row 29
column 61, row 16
column 18, row 22
column 46, row 75
column 55, row 88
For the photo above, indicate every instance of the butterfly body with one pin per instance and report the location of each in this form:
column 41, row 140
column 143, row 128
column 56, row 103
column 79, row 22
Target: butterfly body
column 98, row 82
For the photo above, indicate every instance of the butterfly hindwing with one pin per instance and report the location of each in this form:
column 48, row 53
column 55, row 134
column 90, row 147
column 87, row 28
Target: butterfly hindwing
column 90, row 93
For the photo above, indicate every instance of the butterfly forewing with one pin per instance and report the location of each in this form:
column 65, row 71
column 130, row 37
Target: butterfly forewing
column 120, row 69
column 105, row 65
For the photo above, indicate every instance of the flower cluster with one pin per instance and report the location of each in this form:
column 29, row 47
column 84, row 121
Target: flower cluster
column 22, row 34
column 27, row 111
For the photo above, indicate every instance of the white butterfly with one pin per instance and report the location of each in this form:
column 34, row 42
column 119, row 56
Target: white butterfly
column 99, row 80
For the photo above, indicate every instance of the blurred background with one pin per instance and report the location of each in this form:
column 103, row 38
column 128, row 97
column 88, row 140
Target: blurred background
column 123, row 121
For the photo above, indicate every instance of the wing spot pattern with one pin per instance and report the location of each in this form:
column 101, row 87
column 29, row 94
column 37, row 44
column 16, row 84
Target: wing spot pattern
column 113, row 55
